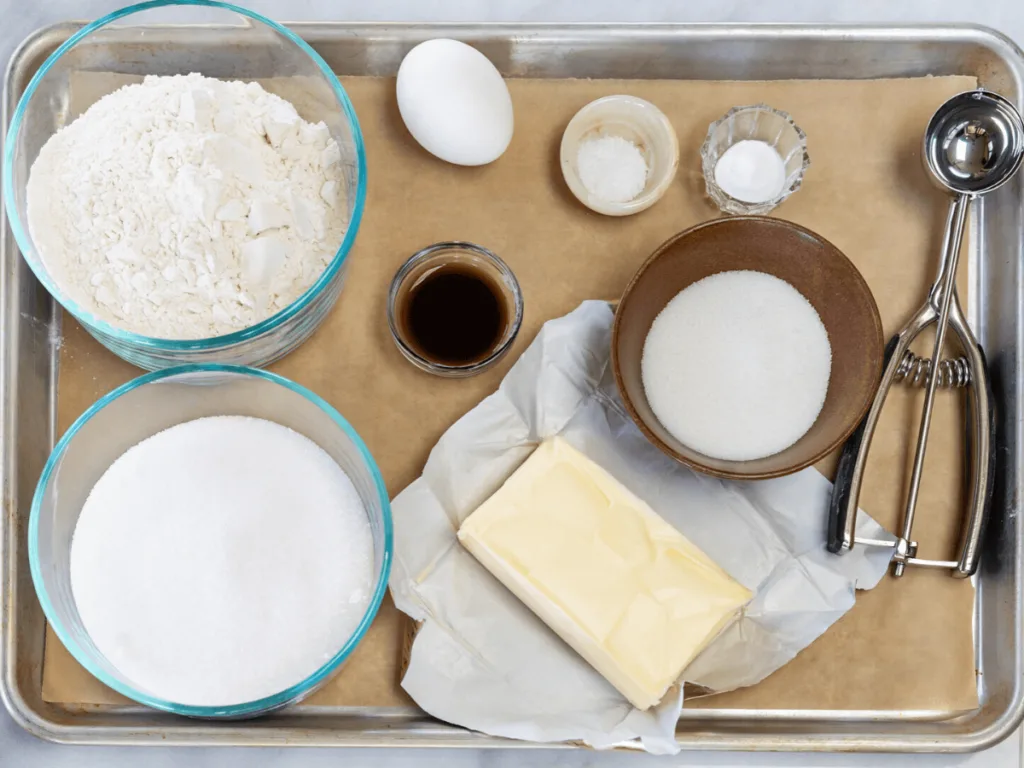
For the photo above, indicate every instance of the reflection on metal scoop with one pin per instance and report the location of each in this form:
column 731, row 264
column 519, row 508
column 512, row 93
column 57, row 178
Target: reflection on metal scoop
column 974, row 143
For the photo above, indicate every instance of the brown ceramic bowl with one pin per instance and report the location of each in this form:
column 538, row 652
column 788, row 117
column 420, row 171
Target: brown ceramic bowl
column 803, row 259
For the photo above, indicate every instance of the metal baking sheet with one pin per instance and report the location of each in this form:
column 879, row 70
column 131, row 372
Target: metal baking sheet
column 30, row 335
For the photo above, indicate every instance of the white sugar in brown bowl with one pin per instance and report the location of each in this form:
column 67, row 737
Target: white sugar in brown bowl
column 808, row 263
column 737, row 365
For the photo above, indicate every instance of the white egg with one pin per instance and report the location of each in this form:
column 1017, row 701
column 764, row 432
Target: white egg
column 454, row 102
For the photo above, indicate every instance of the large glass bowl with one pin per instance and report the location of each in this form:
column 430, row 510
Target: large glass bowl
column 140, row 409
column 170, row 37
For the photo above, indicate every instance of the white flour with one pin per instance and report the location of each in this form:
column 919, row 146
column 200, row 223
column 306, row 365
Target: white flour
column 186, row 207
column 221, row 560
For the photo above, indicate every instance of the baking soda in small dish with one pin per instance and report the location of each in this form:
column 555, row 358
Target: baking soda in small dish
column 751, row 171
column 221, row 561
column 736, row 366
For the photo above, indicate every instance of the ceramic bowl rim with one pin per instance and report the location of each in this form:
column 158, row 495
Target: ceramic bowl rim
column 859, row 412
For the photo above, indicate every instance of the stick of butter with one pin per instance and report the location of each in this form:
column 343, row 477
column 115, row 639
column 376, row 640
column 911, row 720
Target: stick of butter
column 622, row 587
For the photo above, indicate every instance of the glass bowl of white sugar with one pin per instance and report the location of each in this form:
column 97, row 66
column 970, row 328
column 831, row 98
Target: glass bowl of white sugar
column 187, row 205
column 212, row 541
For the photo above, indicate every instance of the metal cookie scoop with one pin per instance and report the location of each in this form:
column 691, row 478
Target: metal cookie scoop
column 974, row 143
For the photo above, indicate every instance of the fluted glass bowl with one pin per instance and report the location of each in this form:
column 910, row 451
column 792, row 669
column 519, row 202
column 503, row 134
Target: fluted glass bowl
column 140, row 409
column 221, row 41
column 759, row 123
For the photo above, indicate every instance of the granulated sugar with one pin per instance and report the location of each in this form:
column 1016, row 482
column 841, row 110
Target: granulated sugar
column 737, row 365
column 221, row 561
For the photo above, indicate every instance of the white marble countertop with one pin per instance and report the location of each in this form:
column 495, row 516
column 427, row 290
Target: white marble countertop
column 19, row 750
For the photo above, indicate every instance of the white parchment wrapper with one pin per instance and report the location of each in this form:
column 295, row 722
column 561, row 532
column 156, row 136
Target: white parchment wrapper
column 483, row 660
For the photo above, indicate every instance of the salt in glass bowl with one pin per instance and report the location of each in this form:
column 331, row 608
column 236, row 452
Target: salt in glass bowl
column 141, row 408
column 759, row 123
column 169, row 42
column 633, row 119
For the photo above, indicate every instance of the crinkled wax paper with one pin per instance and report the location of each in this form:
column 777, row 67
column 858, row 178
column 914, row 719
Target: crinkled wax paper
column 481, row 659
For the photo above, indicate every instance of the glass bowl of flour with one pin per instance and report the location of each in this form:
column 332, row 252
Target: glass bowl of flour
column 187, row 205
column 210, row 540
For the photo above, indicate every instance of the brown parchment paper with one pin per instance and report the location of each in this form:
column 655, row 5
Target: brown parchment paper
column 907, row 644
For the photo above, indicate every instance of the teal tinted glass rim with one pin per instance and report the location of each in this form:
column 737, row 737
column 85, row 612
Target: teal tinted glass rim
column 120, row 335
column 235, row 710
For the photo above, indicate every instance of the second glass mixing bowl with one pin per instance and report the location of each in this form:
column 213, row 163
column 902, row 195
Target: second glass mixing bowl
column 174, row 37
column 140, row 409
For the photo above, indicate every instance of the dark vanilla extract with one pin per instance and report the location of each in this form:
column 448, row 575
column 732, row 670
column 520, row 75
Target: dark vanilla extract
column 455, row 315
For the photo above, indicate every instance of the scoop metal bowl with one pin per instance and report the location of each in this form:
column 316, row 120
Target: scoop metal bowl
column 974, row 143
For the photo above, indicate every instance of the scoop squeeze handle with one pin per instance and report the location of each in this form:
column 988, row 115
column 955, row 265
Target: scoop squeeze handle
column 981, row 434
column 981, row 440
column 842, row 511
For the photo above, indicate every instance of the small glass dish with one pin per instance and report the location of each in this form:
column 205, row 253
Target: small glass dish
column 141, row 408
column 170, row 42
column 423, row 264
column 637, row 121
column 759, row 123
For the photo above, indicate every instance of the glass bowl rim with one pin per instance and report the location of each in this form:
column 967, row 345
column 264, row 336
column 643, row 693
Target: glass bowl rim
column 249, row 708
column 708, row 168
column 628, row 106
column 211, row 343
